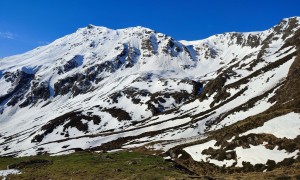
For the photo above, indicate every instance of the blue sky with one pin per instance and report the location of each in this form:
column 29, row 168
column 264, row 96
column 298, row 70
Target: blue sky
column 26, row 24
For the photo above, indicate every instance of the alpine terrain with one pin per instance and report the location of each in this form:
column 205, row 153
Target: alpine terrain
column 229, row 103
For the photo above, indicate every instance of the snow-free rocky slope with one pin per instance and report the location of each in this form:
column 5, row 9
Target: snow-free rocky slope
column 231, row 100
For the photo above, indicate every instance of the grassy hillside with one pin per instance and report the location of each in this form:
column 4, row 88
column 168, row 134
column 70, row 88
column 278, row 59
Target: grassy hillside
column 91, row 165
column 125, row 165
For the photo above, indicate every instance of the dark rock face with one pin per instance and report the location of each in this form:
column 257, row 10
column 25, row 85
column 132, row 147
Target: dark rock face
column 147, row 45
column 81, row 83
column 250, row 40
column 39, row 91
column 118, row 113
column 75, row 62
column 132, row 56
column 20, row 83
column 63, row 86
column 214, row 85
column 172, row 48
column 107, row 66
column 211, row 53
column 71, row 119
column 253, row 41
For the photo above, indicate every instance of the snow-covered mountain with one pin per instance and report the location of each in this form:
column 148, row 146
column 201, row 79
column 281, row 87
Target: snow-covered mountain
column 216, row 101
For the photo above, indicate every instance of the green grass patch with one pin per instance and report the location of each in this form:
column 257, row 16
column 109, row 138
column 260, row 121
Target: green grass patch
column 91, row 165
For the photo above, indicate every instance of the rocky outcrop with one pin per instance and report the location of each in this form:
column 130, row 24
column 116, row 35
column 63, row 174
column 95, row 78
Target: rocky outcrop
column 39, row 91
column 20, row 85
column 71, row 64
column 68, row 120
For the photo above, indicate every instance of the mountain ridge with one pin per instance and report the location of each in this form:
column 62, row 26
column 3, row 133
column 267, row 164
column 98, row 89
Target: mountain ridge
column 135, row 88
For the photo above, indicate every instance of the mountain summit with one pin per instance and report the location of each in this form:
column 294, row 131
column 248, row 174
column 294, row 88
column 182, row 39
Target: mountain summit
column 214, row 101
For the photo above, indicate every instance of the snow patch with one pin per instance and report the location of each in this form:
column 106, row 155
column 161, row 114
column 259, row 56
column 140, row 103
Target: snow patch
column 196, row 150
column 5, row 173
column 286, row 126
column 30, row 70
column 260, row 155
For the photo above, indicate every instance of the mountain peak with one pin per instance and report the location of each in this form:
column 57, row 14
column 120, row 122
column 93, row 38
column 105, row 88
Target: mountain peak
column 90, row 26
column 138, row 28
